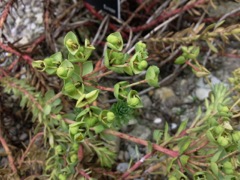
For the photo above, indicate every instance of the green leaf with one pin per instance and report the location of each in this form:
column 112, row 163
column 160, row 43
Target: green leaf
column 169, row 165
column 157, row 134
column 152, row 76
column 180, row 60
column 182, row 127
column 212, row 47
column 184, row 159
column 166, row 133
column 184, row 144
column 218, row 155
column 71, row 42
column 72, row 90
column 98, row 128
column 115, row 41
column 120, row 92
column 51, row 139
column 87, row 67
column 47, row 109
column 214, row 168
column 210, row 136
column 88, row 98
column 149, row 147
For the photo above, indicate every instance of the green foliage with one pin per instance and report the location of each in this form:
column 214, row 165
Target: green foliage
column 80, row 84
column 208, row 148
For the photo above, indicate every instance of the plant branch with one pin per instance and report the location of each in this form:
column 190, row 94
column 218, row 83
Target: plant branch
column 198, row 148
column 135, row 84
column 29, row 146
column 99, row 87
column 27, row 58
column 229, row 155
column 166, row 151
column 5, row 13
column 8, row 152
column 136, row 165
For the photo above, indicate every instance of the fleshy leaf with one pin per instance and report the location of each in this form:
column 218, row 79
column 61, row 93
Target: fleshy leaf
column 119, row 91
column 87, row 67
column 133, row 99
column 152, row 76
column 115, row 41
column 65, row 70
column 71, row 42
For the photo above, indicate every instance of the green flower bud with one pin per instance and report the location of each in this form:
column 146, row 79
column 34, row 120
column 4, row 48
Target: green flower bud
column 48, row 62
column 90, row 121
column 133, row 101
column 229, row 171
column 222, row 141
column 74, row 130
column 79, row 137
column 228, row 167
column 73, row 158
column 65, row 70
column 172, row 178
column 236, row 136
column 75, row 146
column 212, row 121
column 72, row 45
column 39, row 65
column 110, row 116
column 219, row 129
column 58, row 149
column 142, row 65
column 61, row 71
column 112, row 39
column 62, row 177
column 223, row 109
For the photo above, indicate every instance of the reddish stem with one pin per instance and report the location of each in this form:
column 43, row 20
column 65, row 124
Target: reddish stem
column 136, row 165
column 5, row 13
column 82, row 172
column 13, row 51
column 13, row 64
column 35, row 43
column 143, row 142
column 180, row 165
column 29, row 146
column 99, row 87
column 9, row 153
column 164, row 16
column 192, row 66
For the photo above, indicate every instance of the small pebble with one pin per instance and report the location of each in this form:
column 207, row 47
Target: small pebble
column 122, row 167
column 23, row 136
column 158, row 120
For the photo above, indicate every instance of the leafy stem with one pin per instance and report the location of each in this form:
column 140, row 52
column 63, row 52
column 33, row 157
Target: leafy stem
column 135, row 84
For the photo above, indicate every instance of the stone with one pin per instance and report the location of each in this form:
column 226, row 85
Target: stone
column 122, row 167
column 202, row 93
column 147, row 103
column 166, row 96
